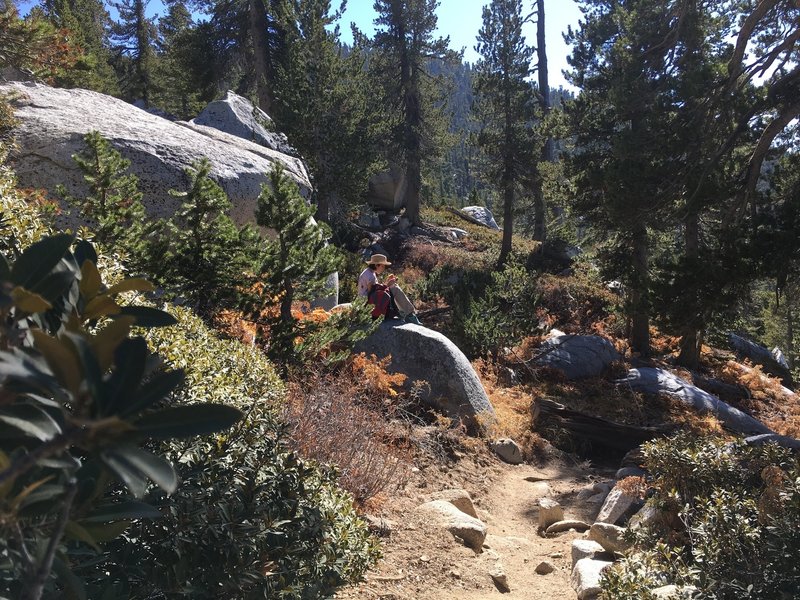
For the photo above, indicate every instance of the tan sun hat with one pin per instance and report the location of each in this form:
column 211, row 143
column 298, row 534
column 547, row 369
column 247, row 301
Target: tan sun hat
column 378, row 259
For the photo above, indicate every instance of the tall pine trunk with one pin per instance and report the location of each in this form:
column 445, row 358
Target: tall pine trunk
column 640, row 303
column 692, row 334
column 508, row 182
column 260, row 42
column 548, row 150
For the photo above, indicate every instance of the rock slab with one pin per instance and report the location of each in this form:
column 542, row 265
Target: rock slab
column 651, row 380
column 422, row 354
column 617, row 505
column 482, row 214
column 53, row 122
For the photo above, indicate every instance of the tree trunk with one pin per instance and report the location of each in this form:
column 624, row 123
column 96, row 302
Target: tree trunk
column 548, row 150
column 789, row 335
column 692, row 334
column 640, row 302
column 508, row 182
column 260, row 42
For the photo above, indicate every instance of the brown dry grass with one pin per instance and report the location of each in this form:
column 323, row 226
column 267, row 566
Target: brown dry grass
column 348, row 420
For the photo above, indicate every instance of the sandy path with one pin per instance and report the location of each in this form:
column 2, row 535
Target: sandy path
column 422, row 562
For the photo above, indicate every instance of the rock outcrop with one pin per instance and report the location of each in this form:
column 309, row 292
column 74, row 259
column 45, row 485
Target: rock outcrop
column 422, row 354
column 387, row 190
column 237, row 116
column 482, row 214
column 53, row 121
column 577, row 356
column 760, row 355
column 659, row 381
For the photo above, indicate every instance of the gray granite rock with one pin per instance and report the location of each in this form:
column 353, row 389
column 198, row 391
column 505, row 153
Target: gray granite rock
column 660, row 381
column 458, row 498
column 577, row 356
column 609, row 537
column 482, row 214
column 52, row 123
column 425, row 355
column 238, row 116
column 508, row 450
column 460, row 524
column 760, row 355
column 586, row 549
column 550, row 512
column 585, row 577
column 617, row 505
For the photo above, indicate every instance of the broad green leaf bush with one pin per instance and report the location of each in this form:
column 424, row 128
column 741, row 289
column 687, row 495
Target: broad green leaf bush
column 250, row 519
column 80, row 398
column 728, row 523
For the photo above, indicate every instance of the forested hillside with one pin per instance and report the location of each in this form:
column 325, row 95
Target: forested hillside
column 184, row 412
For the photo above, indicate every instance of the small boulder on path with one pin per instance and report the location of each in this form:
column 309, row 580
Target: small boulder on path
column 545, row 567
column 609, row 537
column 566, row 525
column 508, row 450
column 550, row 512
column 460, row 524
column 585, row 577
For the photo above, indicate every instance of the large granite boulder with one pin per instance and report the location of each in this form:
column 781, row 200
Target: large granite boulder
column 53, row 122
column 425, row 355
column 659, row 381
column 387, row 190
column 770, row 361
column 482, row 214
column 238, row 116
column 577, row 356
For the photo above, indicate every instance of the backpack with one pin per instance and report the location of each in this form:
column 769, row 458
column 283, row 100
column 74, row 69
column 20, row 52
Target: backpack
column 382, row 302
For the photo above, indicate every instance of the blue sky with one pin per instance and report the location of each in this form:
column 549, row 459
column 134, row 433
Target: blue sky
column 461, row 20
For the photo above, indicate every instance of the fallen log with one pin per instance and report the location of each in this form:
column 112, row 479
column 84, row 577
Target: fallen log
column 594, row 429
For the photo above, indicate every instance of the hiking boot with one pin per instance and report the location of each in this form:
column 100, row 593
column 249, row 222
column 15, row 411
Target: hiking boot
column 412, row 318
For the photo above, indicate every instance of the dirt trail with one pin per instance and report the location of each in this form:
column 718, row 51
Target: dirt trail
column 424, row 562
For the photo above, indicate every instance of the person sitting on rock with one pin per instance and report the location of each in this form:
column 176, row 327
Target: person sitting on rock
column 388, row 299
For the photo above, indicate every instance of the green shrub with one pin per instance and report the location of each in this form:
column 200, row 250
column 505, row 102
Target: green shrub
column 490, row 310
column 81, row 398
column 730, row 522
column 250, row 520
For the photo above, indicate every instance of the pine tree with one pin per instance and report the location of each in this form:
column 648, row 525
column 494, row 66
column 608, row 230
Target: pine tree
column 624, row 136
column 545, row 103
column 134, row 37
column 505, row 106
column 297, row 263
column 89, row 22
column 114, row 203
column 406, row 47
column 185, row 70
column 322, row 104
column 205, row 255
column 247, row 44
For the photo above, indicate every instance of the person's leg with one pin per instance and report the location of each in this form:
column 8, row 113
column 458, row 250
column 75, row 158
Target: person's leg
column 404, row 305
